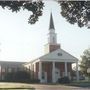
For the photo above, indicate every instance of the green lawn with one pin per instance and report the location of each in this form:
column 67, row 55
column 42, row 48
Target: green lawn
column 80, row 84
column 23, row 86
column 15, row 89
column 15, row 86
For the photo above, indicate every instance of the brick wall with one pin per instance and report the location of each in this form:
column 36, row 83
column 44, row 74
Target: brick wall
column 53, row 47
column 47, row 67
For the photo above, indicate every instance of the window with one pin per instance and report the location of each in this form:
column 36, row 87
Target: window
column 56, row 72
column 59, row 54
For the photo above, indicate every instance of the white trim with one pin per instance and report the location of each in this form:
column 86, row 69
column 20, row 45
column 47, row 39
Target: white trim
column 59, row 60
column 36, row 61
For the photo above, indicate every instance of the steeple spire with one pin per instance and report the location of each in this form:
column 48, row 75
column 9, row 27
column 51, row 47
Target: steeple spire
column 51, row 25
column 52, row 38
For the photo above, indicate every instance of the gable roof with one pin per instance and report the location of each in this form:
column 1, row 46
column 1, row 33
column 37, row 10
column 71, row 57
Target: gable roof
column 58, row 54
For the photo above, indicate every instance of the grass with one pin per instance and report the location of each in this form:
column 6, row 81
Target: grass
column 23, row 86
column 16, row 89
column 15, row 86
column 81, row 84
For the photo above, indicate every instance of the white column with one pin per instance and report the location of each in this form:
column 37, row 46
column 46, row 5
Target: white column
column 77, row 72
column 31, row 70
column 66, row 69
column 40, row 71
column 34, row 70
column 34, row 67
column 53, row 72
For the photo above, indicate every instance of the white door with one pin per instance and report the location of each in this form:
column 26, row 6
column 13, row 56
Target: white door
column 44, row 77
column 57, row 74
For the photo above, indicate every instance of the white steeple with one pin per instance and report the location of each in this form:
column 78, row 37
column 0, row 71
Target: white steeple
column 52, row 37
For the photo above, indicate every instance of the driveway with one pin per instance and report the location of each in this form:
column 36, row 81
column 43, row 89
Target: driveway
column 56, row 87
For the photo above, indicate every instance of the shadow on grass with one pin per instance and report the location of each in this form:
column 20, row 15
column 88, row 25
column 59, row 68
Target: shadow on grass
column 85, row 84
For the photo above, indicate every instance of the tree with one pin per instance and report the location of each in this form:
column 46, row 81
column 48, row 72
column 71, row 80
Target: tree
column 85, row 62
column 35, row 7
column 76, row 12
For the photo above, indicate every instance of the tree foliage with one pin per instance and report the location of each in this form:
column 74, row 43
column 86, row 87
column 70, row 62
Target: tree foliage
column 35, row 7
column 76, row 12
column 85, row 62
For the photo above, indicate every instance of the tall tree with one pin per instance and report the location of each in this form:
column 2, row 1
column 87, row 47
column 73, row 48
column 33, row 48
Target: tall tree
column 35, row 7
column 76, row 12
column 85, row 62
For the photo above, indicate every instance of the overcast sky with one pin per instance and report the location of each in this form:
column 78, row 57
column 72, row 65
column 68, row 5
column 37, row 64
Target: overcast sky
column 21, row 41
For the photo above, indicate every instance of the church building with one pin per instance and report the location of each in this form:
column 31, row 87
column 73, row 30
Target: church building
column 55, row 63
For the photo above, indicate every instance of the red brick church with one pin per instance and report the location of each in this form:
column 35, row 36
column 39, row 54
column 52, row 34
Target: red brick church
column 55, row 63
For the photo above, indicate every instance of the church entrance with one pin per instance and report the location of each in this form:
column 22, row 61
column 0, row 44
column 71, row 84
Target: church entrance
column 44, row 77
column 57, row 74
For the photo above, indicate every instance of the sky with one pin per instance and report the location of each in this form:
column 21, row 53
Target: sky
column 20, row 41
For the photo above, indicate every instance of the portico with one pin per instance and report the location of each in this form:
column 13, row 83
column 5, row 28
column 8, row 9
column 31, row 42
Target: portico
column 59, row 69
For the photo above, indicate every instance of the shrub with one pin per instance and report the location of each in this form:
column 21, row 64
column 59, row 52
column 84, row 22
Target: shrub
column 17, row 76
column 64, row 80
column 34, row 81
column 20, row 76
